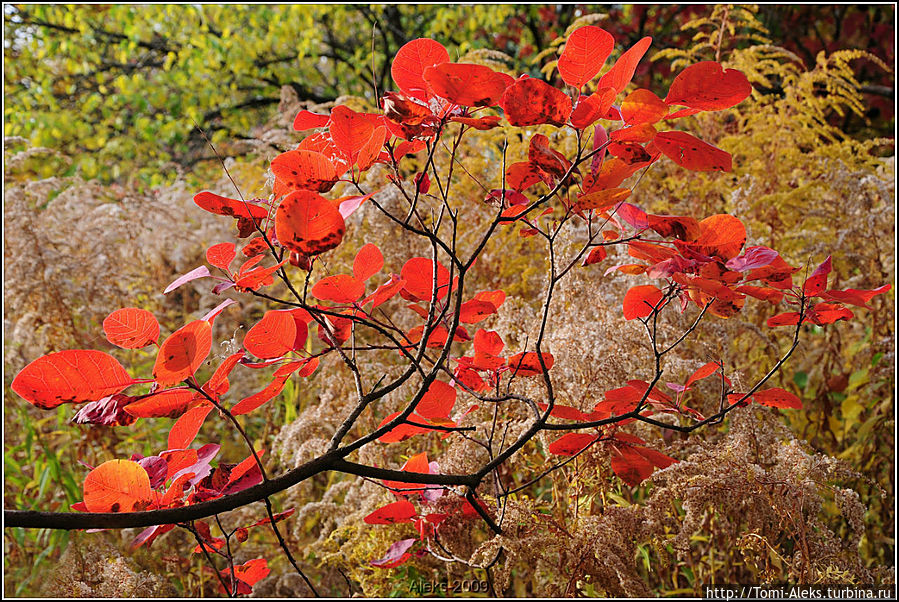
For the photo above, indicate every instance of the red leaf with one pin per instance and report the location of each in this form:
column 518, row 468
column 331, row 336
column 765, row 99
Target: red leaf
column 272, row 336
column 437, row 402
column 222, row 254
column 601, row 200
column 528, row 363
column 248, row 404
column 385, row 292
column 488, row 342
column 586, row 50
column 827, row 313
column 593, row 107
column 398, row 512
column 596, row 255
column 306, row 120
column 621, row 73
column 691, row 152
column 630, row 466
column 522, row 175
column 402, row 431
column 410, row 63
column 417, row 464
column 169, row 403
column 218, row 383
column 72, row 376
column 683, row 228
column 721, row 236
column 639, row 301
column 817, row 282
column 708, row 86
column 571, row 443
column 475, row 311
column 185, row 429
column 308, row 223
column 642, row 106
column 488, row 122
column 532, row 102
column 350, row 131
column 629, row 152
column 131, row 328
column 419, row 274
column 854, row 296
column 790, row 318
column 220, row 205
column 182, row 353
column 368, row 262
column 777, row 398
column 467, row 84
column 117, row 486
column 341, row 288
column 703, row 372
column 259, row 277
column 302, row 170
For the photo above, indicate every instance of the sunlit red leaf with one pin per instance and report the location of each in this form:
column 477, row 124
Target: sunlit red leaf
column 419, row 275
column 601, row 200
column 273, row 336
column 72, row 376
column 488, row 122
column 417, row 464
column 117, row 486
column 169, row 403
column 252, row 279
column 639, row 301
column 596, row 255
column 528, row 363
column 642, row 106
column 854, row 296
column 410, row 63
column 828, row 313
column 182, row 353
column 341, row 288
column 402, row 431
column 398, row 512
column 571, row 443
column 683, row 228
column 272, row 390
column 368, row 262
column 385, row 292
column 131, row 328
column 585, row 52
column 777, row 398
column 593, row 107
column 522, row 175
column 350, row 131
column 475, row 311
column 708, row 86
column 629, row 152
column 762, row 293
column 222, row 254
column 308, row 223
column 185, row 429
column 721, row 235
column 621, row 73
column 533, row 101
column 302, row 170
column 692, row 153
column 306, row 120
column 438, row 401
column 467, row 84
column 220, row 205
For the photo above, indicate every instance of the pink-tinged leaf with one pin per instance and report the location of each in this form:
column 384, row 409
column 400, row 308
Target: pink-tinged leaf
column 306, row 120
column 600, row 138
column 72, row 376
column 109, row 411
column 752, row 258
column 214, row 312
column 398, row 512
column 368, row 262
column 185, row 429
column 640, row 301
column 341, row 288
column 777, row 398
column 632, row 215
column 117, row 486
column 691, row 152
column 221, row 255
column 410, row 63
column 621, row 73
column 148, row 535
column 348, row 205
column 532, row 102
column 182, row 353
column 200, row 272
column 709, row 87
column 856, row 297
column 586, row 50
column 571, row 443
column 272, row 336
column 817, row 282
column 396, row 555
column 131, row 328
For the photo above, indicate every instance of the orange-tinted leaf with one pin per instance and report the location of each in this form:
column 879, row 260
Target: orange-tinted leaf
column 306, row 120
column 248, row 404
column 629, row 152
column 131, row 328
column 721, row 235
column 185, row 429
column 350, row 131
column 419, row 275
column 827, row 313
column 528, row 363
column 398, row 512
column 571, row 443
column 466, row 84
column 709, row 87
column 410, row 63
column 643, row 132
column 215, row 203
column 586, row 50
column 218, row 383
column 272, row 336
column 639, row 301
column 222, row 254
column 402, row 431
column 596, row 255
column 593, row 107
column 488, row 122
column 117, row 486
column 72, row 376
column 385, row 292
column 256, row 278
column 170, row 403
column 642, row 106
column 601, row 199
column 438, row 401
column 763, row 293
column 621, row 73
column 533, row 101
column 341, row 288
column 691, row 152
column 308, row 223
column 546, row 158
column 777, row 398
column 182, row 353
column 418, row 464
column 302, row 170
column 368, row 262
column 522, row 175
